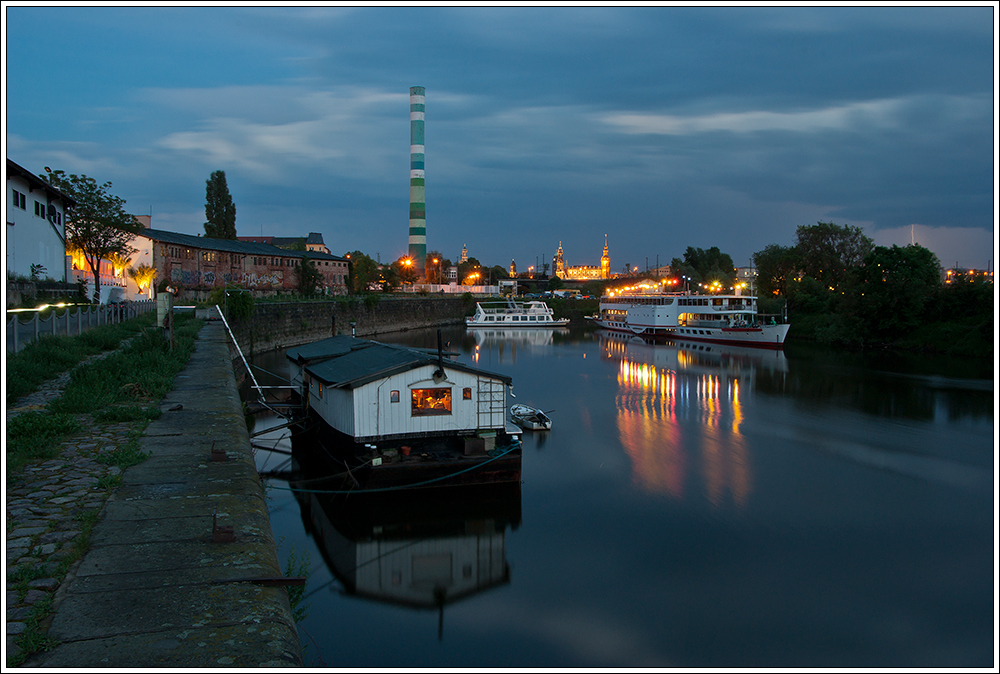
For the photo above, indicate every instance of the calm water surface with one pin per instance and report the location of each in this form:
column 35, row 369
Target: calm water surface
column 692, row 506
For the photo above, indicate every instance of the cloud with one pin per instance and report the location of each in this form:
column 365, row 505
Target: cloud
column 877, row 113
column 276, row 134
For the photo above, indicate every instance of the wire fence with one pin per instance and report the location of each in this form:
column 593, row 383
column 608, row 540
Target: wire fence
column 22, row 329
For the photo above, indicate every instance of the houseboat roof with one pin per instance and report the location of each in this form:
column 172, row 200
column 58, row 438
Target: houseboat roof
column 349, row 362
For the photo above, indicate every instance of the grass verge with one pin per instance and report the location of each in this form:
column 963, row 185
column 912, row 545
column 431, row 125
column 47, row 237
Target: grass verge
column 50, row 356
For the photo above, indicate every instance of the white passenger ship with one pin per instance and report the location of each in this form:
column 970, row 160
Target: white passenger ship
column 720, row 319
column 511, row 314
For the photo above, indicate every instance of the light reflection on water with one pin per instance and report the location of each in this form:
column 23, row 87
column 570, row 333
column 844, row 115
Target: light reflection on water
column 840, row 516
column 659, row 386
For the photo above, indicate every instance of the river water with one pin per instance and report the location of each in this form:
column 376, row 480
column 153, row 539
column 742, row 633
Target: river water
column 692, row 506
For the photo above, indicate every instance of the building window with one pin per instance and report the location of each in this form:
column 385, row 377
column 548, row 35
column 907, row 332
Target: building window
column 466, row 393
column 39, row 209
column 19, row 200
column 430, row 401
column 394, row 396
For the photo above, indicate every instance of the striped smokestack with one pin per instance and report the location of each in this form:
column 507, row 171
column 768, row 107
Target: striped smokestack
column 418, row 207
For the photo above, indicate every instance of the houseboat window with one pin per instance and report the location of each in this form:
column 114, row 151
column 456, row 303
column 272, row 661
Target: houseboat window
column 321, row 389
column 394, row 396
column 466, row 393
column 430, row 401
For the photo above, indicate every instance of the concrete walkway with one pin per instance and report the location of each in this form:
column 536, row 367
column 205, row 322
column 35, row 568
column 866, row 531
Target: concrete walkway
column 164, row 583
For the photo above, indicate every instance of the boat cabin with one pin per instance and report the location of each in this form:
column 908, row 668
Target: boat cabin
column 372, row 391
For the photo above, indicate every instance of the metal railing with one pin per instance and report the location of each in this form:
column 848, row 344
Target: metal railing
column 73, row 320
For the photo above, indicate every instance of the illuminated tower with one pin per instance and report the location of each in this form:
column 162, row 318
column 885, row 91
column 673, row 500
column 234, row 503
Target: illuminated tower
column 605, row 260
column 418, row 206
column 464, row 257
column 513, row 269
column 558, row 265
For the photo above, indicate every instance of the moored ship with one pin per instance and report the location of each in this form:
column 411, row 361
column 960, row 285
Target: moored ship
column 511, row 314
column 721, row 319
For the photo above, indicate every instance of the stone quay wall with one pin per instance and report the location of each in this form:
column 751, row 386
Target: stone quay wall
column 280, row 325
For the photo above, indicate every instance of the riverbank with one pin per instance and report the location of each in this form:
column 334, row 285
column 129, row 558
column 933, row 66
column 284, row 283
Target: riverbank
column 163, row 582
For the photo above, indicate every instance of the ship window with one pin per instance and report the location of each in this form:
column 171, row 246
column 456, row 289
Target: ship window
column 321, row 389
column 466, row 393
column 430, row 401
column 394, row 396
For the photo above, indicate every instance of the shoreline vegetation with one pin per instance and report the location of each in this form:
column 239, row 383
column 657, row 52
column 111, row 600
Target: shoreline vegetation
column 124, row 386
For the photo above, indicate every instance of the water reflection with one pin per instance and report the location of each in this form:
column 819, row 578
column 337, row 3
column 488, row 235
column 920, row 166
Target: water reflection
column 509, row 341
column 678, row 399
column 420, row 549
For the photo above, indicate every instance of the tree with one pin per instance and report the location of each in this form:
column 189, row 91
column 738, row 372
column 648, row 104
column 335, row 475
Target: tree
column 829, row 252
column 220, row 211
column 777, row 266
column 143, row 275
column 705, row 266
column 363, row 272
column 309, row 277
column 895, row 285
column 435, row 264
column 98, row 225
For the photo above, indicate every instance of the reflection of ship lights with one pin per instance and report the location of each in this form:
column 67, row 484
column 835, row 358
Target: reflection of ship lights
column 653, row 426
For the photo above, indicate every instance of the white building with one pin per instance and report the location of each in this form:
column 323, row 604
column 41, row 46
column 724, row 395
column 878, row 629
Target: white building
column 35, row 239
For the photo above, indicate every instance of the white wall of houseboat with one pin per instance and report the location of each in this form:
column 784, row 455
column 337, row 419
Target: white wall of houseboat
column 374, row 414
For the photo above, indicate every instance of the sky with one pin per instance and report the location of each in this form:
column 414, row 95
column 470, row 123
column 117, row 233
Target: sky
column 658, row 127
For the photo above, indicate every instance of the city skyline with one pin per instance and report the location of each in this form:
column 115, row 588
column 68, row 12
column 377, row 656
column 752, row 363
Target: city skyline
column 667, row 126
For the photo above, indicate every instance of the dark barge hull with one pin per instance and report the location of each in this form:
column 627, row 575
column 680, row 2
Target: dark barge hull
column 431, row 463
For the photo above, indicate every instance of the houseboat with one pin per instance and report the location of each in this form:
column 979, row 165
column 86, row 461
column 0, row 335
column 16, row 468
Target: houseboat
column 720, row 319
column 397, row 416
column 513, row 314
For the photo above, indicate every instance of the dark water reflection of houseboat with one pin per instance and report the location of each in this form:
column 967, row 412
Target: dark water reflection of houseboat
column 423, row 549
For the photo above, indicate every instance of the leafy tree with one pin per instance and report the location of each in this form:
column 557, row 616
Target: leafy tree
column 363, row 272
column 404, row 271
column 777, row 267
column 555, row 283
column 98, row 225
column 435, row 265
column 705, row 266
column 894, row 286
column 467, row 268
column 829, row 252
column 496, row 272
column 220, row 211
column 309, row 277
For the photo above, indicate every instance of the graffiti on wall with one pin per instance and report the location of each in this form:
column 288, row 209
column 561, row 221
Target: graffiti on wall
column 254, row 280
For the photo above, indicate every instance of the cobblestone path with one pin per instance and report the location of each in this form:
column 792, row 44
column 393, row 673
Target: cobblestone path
column 48, row 507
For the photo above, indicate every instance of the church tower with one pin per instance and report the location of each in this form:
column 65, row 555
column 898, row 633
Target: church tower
column 558, row 264
column 605, row 261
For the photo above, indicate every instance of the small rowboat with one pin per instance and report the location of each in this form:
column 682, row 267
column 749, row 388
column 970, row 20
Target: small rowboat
column 530, row 418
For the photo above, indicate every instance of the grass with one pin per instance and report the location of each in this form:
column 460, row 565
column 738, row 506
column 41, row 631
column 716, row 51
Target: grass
column 50, row 356
column 122, row 387
column 35, row 436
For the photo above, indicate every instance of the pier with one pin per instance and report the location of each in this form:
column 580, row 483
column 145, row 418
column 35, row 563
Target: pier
column 182, row 569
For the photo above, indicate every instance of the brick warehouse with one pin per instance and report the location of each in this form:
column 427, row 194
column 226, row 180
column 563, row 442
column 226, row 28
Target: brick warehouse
column 200, row 263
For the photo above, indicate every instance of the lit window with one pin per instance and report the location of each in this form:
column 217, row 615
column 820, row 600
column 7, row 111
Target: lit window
column 430, row 401
column 466, row 393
